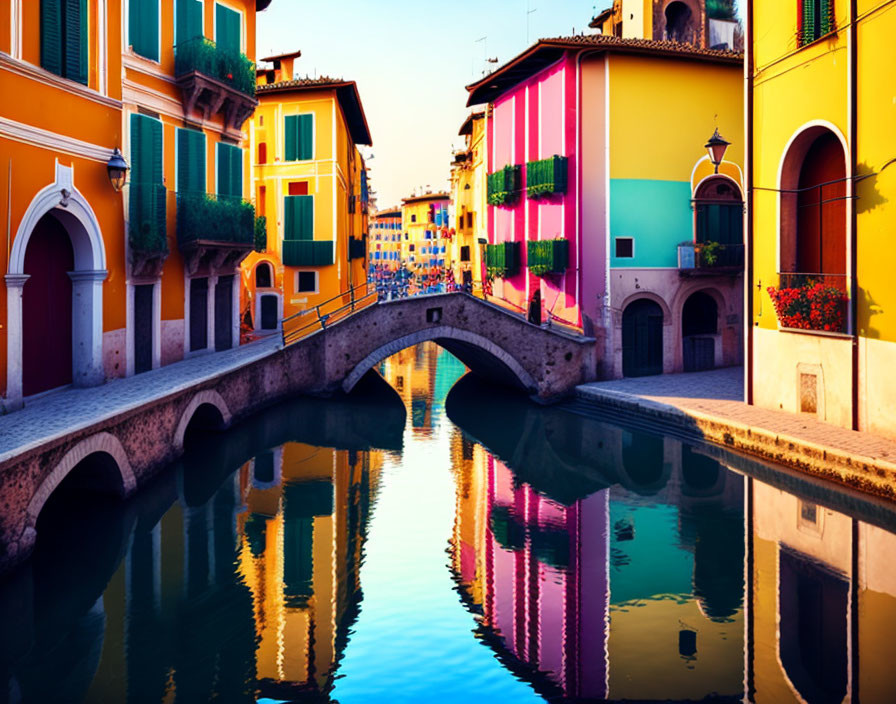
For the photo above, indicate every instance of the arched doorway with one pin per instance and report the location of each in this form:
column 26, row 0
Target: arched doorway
column 678, row 22
column 642, row 338
column 699, row 329
column 47, row 308
column 263, row 276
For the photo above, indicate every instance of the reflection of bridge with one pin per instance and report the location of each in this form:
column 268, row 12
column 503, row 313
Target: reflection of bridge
column 124, row 448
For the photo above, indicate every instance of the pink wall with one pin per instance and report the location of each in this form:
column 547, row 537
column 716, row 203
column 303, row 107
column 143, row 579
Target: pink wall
column 535, row 120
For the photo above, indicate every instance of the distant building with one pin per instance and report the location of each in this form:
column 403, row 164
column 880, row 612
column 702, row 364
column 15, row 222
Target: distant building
column 384, row 249
column 424, row 248
column 311, row 187
column 821, row 335
column 603, row 201
column 468, row 197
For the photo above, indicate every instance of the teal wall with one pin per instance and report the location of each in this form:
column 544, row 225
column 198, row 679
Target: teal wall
column 657, row 214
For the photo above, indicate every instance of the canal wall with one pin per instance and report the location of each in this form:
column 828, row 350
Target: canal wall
column 116, row 438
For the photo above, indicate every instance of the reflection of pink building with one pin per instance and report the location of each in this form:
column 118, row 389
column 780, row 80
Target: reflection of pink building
column 546, row 583
column 529, row 123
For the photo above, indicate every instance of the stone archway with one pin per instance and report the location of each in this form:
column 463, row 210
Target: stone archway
column 68, row 208
column 203, row 398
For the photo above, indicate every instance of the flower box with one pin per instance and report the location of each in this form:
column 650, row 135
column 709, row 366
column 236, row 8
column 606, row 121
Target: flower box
column 502, row 260
column 546, row 177
column 806, row 303
column 548, row 256
column 504, row 186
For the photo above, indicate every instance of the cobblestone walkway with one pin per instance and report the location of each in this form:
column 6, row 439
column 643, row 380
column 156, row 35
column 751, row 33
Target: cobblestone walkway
column 63, row 412
column 716, row 395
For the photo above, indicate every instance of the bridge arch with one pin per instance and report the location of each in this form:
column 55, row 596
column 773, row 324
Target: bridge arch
column 99, row 444
column 466, row 346
column 203, row 398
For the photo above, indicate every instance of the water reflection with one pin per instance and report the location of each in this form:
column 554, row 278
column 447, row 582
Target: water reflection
column 594, row 562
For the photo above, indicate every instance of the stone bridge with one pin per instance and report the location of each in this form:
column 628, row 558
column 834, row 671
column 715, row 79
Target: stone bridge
column 116, row 438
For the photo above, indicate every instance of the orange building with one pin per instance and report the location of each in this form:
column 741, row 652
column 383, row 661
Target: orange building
column 310, row 185
column 103, row 283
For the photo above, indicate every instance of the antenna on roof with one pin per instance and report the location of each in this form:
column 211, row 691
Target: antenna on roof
column 529, row 12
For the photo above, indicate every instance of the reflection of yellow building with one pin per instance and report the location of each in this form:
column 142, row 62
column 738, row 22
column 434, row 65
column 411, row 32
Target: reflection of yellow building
column 806, row 561
column 469, row 461
column 311, row 187
column 301, row 536
column 412, row 373
column 468, row 197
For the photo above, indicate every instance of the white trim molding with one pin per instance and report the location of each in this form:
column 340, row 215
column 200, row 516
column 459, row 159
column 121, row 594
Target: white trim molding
column 37, row 137
column 23, row 68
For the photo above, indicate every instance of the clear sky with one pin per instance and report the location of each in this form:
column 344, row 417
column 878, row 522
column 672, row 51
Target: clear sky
column 411, row 60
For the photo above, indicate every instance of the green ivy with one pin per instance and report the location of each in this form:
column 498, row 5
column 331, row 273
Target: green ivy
column 220, row 219
column 547, row 256
column 261, row 233
column 504, row 186
column 546, row 177
column 502, row 260
column 228, row 66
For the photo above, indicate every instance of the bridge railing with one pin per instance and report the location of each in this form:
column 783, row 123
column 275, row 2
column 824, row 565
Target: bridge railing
column 301, row 324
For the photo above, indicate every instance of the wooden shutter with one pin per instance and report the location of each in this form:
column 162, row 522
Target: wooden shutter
column 147, row 195
column 227, row 28
column 230, row 171
column 299, row 218
column 807, row 28
column 190, row 161
column 75, row 40
column 291, row 138
column 51, row 35
column 306, row 137
column 143, row 28
column 188, row 24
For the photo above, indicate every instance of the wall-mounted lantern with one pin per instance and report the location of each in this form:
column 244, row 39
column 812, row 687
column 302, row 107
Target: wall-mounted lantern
column 118, row 170
column 716, row 146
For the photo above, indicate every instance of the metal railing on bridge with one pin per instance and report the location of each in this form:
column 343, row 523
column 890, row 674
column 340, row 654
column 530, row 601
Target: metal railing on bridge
column 301, row 324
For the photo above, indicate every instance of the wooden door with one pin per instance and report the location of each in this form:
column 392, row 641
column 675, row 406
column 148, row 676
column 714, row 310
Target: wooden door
column 269, row 312
column 198, row 314
column 143, row 324
column 642, row 339
column 47, row 309
column 224, row 313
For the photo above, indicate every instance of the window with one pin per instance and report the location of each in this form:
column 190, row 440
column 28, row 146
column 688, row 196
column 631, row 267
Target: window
column 143, row 28
column 469, row 220
column 298, row 140
column 465, row 253
column 190, row 161
column 228, row 29
column 306, row 281
column 298, row 218
column 263, row 276
column 230, row 171
column 719, row 212
column 411, row 248
column 147, row 222
column 816, row 18
column 298, row 188
column 63, row 38
column 263, row 153
column 413, row 219
column 188, row 20
column 625, row 247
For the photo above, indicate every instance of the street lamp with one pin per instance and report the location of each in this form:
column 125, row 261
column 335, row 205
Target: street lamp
column 118, row 170
column 716, row 146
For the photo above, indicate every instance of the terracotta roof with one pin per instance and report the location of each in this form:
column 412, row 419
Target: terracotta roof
column 428, row 196
column 547, row 51
column 346, row 93
column 390, row 213
column 601, row 18
column 467, row 127
column 288, row 55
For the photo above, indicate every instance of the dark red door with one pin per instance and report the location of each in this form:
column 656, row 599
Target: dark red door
column 47, row 309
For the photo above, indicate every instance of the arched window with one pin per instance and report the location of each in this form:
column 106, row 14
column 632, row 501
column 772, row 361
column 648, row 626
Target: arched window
column 678, row 22
column 263, row 276
column 719, row 218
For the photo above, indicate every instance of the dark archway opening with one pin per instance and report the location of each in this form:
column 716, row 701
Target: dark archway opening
column 642, row 338
column 47, row 308
column 678, row 22
column 263, row 276
column 699, row 327
column 206, row 419
column 821, row 209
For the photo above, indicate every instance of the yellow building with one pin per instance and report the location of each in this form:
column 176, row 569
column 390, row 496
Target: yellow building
column 468, row 197
column 820, row 115
column 103, row 284
column 424, row 249
column 384, row 245
column 310, row 184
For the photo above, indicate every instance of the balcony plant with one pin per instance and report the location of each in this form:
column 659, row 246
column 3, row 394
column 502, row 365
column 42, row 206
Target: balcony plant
column 548, row 256
column 812, row 304
column 502, row 260
column 228, row 66
column 226, row 219
column 504, row 186
column 546, row 177
column 261, row 233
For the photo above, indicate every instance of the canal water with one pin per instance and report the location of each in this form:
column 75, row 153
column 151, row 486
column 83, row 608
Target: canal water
column 446, row 542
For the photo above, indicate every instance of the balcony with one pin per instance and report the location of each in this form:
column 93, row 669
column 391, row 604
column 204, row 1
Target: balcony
column 308, row 252
column 815, row 302
column 547, row 177
column 504, row 186
column 215, row 81
column 502, row 260
column 547, row 256
column 710, row 259
column 214, row 233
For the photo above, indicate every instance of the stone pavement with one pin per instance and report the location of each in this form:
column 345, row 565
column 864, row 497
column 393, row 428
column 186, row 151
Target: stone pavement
column 61, row 413
column 710, row 403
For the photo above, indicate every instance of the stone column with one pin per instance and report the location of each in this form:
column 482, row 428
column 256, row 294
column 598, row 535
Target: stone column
column 87, row 327
column 14, row 285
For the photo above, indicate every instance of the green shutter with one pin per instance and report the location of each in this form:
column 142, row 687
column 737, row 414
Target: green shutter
column 826, row 21
column 51, row 35
column 147, row 213
column 291, row 138
column 306, row 137
column 188, row 24
column 190, row 161
column 227, row 28
column 230, row 170
column 298, row 218
column 807, row 31
column 143, row 28
column 75, row 40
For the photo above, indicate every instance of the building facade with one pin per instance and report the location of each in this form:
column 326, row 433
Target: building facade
column 468, row 199
column 611, row 213
column 425, row 247
column 310, row 185
column 117, row 269
column 819, row 338
column 384, row 255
